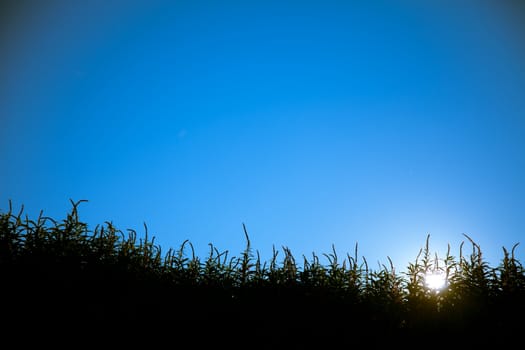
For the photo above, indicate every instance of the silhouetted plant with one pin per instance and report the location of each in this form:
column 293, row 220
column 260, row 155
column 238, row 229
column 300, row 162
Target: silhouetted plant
column 61, row 258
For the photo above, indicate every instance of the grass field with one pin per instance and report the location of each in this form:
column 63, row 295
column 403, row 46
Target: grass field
column 60, row 275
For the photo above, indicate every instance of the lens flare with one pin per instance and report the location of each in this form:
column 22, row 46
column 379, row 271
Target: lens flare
column 436, row 280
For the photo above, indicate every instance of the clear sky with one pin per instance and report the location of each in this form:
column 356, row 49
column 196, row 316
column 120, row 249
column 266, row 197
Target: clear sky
column 312, row 122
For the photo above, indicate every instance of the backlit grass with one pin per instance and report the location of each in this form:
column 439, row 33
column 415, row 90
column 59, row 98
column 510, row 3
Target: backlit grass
column 65, row 270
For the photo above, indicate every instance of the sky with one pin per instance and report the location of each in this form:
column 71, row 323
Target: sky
column 317, row 124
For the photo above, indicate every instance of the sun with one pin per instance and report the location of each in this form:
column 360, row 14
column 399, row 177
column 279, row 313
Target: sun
column 435, row 280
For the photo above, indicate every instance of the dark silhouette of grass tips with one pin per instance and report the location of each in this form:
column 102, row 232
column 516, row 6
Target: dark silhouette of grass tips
column 60, row 274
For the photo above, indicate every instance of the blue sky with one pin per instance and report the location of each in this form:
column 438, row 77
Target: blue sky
column 312, row 122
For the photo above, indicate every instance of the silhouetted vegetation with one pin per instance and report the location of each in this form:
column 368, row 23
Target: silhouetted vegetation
column 63, row 275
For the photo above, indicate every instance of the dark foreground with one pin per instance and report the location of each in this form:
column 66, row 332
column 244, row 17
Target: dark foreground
column 100, row 306
column 63, row 285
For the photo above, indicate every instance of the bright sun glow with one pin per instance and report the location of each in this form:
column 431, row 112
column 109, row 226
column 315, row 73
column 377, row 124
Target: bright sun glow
column 435, row 280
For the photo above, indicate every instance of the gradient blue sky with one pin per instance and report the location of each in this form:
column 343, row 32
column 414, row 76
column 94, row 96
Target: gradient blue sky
column 312, row 122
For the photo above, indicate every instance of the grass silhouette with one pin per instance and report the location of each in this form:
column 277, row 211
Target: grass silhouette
column 60, row 275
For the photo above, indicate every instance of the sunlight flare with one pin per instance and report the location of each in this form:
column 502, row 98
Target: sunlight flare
column 435, row 280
